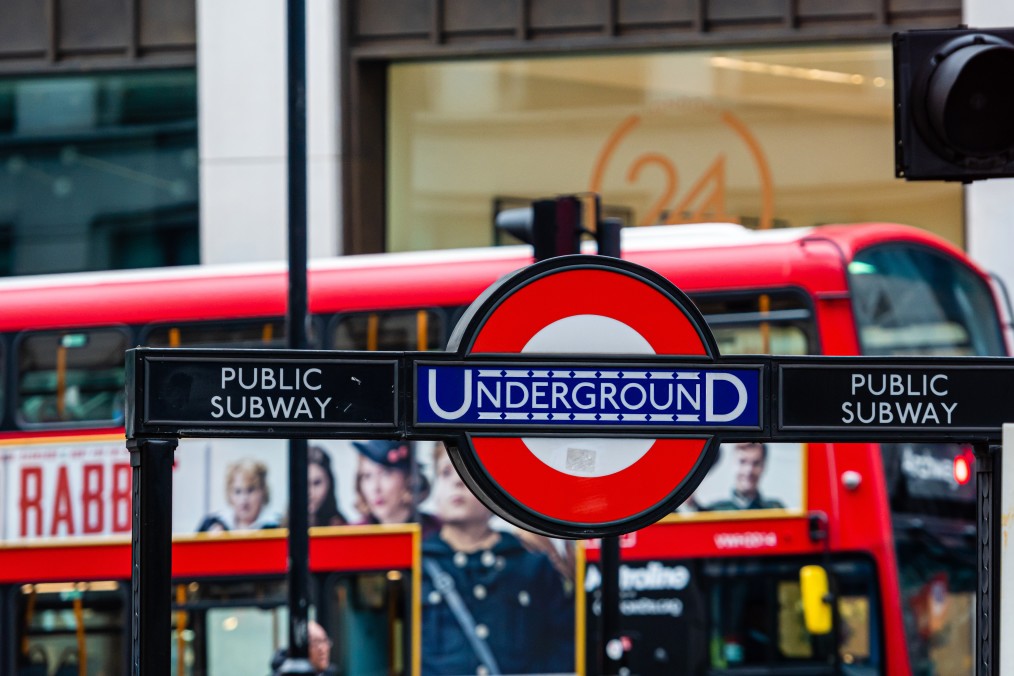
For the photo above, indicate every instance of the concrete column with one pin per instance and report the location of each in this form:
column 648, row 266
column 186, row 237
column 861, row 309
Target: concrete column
column 241, row 137
column 989, row 205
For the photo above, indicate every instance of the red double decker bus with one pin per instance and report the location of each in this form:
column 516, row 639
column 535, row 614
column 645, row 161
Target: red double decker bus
column 712, row 589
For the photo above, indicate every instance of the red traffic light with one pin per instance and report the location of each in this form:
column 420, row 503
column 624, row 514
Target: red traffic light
column 964, row 464
column 954, row 106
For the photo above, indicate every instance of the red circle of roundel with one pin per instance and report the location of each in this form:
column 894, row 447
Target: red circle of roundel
column 511, row 465
column 608, row 293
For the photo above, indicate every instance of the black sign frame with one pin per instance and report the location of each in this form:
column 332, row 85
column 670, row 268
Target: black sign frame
column 786, row 383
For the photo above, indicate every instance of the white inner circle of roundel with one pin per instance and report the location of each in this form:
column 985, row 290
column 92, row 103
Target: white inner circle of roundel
column 588, row 334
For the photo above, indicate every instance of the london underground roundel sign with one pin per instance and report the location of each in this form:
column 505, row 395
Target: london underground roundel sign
column 583, row 395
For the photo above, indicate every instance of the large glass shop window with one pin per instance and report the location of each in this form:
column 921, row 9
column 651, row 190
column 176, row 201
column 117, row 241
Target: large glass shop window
column 768, row 138
column 98, row 171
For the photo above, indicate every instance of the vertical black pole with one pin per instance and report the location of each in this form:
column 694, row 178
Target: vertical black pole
column 297, row 172
column 988, row 480
column 612, row 649
column 997, row 550
column 299, row 541
column 610, row 652
column 151, row 555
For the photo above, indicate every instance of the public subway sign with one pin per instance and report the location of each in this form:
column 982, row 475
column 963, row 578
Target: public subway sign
column 857, row 396
column 579, row 397
column 297, row 390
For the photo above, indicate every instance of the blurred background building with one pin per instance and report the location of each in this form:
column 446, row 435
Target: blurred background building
column 139, row 133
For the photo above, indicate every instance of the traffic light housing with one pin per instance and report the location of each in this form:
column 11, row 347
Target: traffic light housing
column 954, row 104
column 556, row 230
column 554, row 226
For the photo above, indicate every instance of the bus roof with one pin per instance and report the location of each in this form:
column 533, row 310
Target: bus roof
column 696, row 257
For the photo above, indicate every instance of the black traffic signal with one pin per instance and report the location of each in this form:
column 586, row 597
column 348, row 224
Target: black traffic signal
column 554, row 226
column 954, row 104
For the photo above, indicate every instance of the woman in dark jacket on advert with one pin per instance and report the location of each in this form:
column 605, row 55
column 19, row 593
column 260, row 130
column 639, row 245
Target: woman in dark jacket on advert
column 489, row 605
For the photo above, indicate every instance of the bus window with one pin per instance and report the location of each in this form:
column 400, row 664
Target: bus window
column 910, row 301
column 756, row 619
column 222, row 628
column 854, row 615
column 391, row 330
column 242, row 626
column 933, row 514
column 240, row 638
column 371, row 613
column 265, row 333
column 772, row 322
column 71, row 376
column 65, row 625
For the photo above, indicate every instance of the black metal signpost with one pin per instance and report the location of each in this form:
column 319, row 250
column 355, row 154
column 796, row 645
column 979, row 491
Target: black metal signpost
column 297, row 661
column 175, row 393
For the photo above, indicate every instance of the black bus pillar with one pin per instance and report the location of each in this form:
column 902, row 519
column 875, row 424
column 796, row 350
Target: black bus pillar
column 151, row 555
column 988, row 533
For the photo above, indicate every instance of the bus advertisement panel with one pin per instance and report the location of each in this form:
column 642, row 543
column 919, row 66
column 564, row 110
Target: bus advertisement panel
column 518, row 588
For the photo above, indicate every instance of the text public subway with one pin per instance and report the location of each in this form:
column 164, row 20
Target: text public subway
column 282, row 394
column 898, row 399
column 517, row 396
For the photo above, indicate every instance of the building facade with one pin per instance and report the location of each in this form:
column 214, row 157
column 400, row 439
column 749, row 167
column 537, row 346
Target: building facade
column 151, row 133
